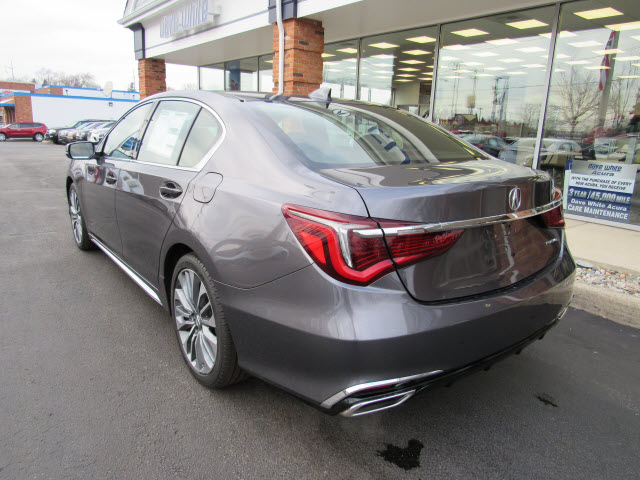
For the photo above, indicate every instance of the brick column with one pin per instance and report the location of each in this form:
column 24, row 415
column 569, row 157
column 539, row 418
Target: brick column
column 152, row 76
column 303, row 47
column 23, row 109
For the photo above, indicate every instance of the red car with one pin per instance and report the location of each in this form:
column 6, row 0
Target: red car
column 23, row 130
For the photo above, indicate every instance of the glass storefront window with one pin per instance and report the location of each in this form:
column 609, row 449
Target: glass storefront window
column 593, row 109
column 266, row 73
column 491, row 81
column 241, row 75
column 212, row 77
column 397, row 68
column 339, row 69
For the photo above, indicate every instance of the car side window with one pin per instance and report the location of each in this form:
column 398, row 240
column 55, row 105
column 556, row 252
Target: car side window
column 167, row 132
column 124, row 140
column 16, row 126
column 203, row 136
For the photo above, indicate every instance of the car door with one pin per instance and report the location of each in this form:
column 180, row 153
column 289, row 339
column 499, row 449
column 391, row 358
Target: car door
column 101, row 176
column 17, row 130
column 151, row 188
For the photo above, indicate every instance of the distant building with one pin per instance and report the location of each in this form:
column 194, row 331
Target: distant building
column 56, row 105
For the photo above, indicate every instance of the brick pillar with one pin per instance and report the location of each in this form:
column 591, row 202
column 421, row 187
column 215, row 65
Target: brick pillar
column 303, row 47
column 23, row 108
column 152, row 76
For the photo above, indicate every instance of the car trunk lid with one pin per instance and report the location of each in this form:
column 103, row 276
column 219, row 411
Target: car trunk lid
column 495, row 250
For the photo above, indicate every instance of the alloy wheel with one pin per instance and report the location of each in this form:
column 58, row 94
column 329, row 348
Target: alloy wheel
column 3, row 137
column 76, row 217
column 195, row 321
column 39, row 137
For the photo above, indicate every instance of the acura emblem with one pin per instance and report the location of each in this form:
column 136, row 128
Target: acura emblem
column 515, row 198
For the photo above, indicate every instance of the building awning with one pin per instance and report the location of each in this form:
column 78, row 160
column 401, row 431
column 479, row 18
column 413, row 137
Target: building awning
column 7, row 105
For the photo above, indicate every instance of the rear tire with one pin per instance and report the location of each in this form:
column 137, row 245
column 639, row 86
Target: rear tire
column 38, row 137
column 78, row 227
column 3, row 137
column 203, row 334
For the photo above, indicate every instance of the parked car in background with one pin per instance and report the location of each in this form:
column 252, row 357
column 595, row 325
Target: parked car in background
column 83, row 133
column 345, row 251
column 97, row 134
column 36, row 131
column 69, row 134
column 53, row 133
column 489, row 143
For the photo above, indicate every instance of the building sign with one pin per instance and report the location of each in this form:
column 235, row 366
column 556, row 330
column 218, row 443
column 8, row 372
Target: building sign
column 600, row 190
column 191, row 15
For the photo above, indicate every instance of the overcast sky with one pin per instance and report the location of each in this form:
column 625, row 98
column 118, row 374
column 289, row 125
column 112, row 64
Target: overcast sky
column 73, row 36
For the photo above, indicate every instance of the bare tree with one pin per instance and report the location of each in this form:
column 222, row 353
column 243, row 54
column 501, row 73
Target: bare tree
column 622, row 90
column 46, row 76
column 580, row 96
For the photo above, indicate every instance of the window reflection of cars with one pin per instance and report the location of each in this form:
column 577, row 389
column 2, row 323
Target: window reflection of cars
column 553, row 152
column 489, row 143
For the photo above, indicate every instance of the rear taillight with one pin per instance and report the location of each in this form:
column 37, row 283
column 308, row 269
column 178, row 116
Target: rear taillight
column 555, row 218
column 352, row 249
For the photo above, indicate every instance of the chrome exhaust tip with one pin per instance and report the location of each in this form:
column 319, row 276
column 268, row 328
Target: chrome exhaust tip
column 379, row 404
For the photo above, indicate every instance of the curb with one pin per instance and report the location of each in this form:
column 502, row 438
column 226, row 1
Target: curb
column 604, row 302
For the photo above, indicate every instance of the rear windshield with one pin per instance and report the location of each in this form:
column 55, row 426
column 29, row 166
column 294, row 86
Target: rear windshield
column 360, row 135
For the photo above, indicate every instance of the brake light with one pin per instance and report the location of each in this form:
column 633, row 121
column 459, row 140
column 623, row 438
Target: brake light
column 554, row 218
column 352, row 249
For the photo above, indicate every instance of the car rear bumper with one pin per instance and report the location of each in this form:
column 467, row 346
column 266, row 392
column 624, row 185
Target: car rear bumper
column 318, row 338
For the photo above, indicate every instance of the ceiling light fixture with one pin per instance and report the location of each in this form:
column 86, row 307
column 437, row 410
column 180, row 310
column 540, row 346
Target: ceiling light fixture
column 416, row 52
column 411, row 62
column 383, row 55
column 608, row 52
column 422, row 39
column 325, row 55
column 524, row 24
column 531, row 49
column 577, row 62
column 502, row 41
column 588, row 43
column 470, row 32
column 624, row 26
column 562, row 34
column 627, row 59
column 347, row 50
column 485, row 54
column 383, row 45
column 598, row 13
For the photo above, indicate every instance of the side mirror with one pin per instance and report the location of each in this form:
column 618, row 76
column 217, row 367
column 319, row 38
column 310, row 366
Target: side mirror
column 81, row 150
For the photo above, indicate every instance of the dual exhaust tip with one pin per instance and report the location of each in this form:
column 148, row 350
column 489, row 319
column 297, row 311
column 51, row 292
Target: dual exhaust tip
column 364, row 407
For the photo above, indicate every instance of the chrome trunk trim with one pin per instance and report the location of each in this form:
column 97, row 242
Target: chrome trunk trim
column 458, row 224
column 126, row 269
column 332, row 400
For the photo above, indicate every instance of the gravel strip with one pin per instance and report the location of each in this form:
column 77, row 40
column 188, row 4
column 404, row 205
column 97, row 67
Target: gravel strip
column 616, row 281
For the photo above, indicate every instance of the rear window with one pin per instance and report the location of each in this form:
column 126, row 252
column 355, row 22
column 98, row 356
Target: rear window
column 360, row 135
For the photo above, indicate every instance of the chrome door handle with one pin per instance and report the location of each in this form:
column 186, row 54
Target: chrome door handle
column 170, row 190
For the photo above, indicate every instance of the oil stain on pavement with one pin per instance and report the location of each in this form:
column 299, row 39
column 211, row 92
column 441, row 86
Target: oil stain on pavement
column 406, row 458
column 547, row 399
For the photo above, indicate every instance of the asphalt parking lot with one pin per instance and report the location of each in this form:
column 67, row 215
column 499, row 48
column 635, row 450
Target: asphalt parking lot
column 92, row 384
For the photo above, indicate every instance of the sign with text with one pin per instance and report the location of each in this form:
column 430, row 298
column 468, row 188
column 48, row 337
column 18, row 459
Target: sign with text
column 189, row 16
column 601, row 190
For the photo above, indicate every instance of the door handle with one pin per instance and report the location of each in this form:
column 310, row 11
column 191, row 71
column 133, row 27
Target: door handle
column 111, row 178
column 170, row 190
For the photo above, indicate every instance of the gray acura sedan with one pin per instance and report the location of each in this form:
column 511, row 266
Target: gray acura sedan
column 350, row 253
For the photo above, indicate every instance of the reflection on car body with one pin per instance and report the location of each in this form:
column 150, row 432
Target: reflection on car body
column 352, row 258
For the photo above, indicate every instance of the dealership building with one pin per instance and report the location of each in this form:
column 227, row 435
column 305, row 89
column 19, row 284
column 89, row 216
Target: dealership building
column 555, row 86
column 56, row 105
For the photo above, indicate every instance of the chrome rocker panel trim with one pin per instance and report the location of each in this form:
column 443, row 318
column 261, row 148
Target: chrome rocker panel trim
column 126, row 269
column 458, row 224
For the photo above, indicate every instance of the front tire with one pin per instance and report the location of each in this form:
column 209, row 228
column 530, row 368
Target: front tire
column 38, row 137
column 3, row 137
column 78, row 226
column 202, row 331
